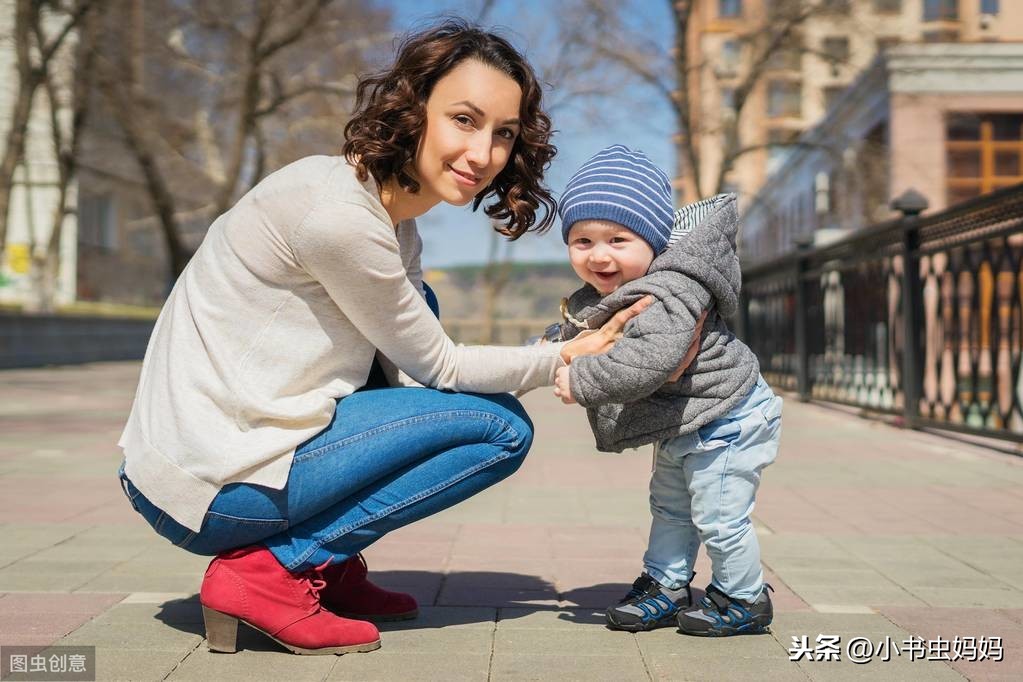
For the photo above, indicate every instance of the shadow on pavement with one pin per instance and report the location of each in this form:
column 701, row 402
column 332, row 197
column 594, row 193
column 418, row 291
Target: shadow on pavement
column 446, row 600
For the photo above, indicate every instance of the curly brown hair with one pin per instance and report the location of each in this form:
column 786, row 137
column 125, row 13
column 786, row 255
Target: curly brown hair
column 382, row 137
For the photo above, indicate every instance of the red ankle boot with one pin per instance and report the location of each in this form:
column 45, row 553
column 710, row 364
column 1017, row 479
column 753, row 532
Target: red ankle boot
column 349, row 593
column 250, row 585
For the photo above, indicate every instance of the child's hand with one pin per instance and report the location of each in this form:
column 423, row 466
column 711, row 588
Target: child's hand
column 562, row 387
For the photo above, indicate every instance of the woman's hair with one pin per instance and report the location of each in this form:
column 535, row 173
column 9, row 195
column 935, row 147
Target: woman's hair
column 383, row 136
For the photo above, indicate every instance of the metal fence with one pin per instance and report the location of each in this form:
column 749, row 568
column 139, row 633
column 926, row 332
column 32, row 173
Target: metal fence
column 921, row 317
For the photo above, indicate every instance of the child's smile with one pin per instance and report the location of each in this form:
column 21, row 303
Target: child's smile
column 606, row 255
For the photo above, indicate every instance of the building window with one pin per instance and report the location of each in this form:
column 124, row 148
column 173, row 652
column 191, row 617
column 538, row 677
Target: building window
column 779, row 148
column 728, row 101
column 887, row 6
column 874, row 172
column 989, row 6
column 730, row 54
column 941, row 10
column 836, row 49
column 984, row 152
column 729, row 9
column 784, row 98
column 97, row 221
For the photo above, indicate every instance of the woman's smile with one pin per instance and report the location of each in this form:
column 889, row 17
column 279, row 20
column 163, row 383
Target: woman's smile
column 466, row 178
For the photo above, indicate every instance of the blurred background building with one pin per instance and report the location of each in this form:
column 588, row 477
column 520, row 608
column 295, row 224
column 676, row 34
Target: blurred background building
column 777, row 69
column 943, row 119
column 790, row 61
column 143, row 120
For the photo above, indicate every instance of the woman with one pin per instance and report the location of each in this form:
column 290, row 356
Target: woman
column 247, row 438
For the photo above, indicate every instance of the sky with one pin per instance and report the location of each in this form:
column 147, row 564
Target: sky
column 457, row 236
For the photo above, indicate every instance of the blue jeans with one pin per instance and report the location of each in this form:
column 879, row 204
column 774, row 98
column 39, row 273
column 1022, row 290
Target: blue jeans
column 703, row 489
column 389, row 457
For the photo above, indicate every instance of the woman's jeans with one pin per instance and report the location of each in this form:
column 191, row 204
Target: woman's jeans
column 703, row 489
column 389, row 457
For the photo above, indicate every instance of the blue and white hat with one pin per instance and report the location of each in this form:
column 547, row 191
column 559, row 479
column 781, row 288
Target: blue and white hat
column 622, row 186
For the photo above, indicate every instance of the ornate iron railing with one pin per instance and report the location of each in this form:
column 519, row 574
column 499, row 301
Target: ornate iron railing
column 831, row 322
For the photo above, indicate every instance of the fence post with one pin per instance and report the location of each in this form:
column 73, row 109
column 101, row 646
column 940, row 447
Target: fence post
column 742, row 316
column 803, row 245
column 911, row 204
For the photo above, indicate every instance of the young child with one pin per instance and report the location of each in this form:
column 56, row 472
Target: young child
column 714, row 429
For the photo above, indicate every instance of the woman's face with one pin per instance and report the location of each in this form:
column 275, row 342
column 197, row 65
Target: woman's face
column 472, row 120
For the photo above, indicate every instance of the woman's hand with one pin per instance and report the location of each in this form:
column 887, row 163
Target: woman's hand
column 602, row 340
column 691, row 352
column 562, row 386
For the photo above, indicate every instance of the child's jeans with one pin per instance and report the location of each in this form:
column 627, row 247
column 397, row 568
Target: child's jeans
column 703, row 488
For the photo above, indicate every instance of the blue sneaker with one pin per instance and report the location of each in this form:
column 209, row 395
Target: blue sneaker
column 718, row 615
column 648, row 605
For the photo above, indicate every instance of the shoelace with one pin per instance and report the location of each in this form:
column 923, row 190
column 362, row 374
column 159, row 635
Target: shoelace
column 313, row 582
column 639, row 588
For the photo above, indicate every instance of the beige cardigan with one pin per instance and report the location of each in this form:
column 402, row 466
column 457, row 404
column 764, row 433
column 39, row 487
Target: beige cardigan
column 279, row 314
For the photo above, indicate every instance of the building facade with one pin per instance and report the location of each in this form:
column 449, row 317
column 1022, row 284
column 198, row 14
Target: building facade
column 943, row 119
column 827, row 44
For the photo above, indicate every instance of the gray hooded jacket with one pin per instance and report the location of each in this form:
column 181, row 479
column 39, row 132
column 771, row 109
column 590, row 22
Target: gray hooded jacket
column 625, row 392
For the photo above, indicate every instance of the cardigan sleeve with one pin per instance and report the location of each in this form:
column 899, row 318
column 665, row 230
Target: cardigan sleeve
column 355, row 257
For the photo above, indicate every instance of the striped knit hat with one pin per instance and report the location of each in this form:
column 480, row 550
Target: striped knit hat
column 624, row 187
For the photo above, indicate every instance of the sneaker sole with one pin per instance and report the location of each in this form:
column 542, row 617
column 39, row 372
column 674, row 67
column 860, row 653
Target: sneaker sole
column 666, row 622
column 751, row 629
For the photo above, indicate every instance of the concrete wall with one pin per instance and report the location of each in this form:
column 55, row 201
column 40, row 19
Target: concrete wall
column 35, row 340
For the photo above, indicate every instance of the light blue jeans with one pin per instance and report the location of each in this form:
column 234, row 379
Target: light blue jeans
column 703, row 489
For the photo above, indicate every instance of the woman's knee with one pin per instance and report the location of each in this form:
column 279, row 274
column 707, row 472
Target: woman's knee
column 516, row 435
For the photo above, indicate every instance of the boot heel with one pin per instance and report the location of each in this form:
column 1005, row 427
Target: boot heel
column 221, row 631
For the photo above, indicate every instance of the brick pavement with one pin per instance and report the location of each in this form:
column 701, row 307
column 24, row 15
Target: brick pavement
column 867, row 531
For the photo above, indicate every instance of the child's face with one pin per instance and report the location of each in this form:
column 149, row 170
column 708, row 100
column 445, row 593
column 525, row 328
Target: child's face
column 607, row 255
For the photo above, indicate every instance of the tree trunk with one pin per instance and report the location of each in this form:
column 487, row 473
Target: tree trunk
column 29, row 79
column 687, row 145
column 27, row 19
column 14, row 151
column 159, row 192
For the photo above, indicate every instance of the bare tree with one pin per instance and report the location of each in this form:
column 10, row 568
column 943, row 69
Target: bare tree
column 37, row 42
column 63, row 93
column 575, row 78
column 673, row 74
column 256, row 84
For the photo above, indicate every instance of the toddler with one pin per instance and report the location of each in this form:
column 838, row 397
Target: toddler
column 714, row 428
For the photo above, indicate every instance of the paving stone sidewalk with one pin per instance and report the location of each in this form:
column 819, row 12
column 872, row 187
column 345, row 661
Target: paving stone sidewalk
column 867, row 531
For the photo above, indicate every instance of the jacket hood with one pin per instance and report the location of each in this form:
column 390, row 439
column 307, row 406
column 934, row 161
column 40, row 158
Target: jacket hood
column 706, row 252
